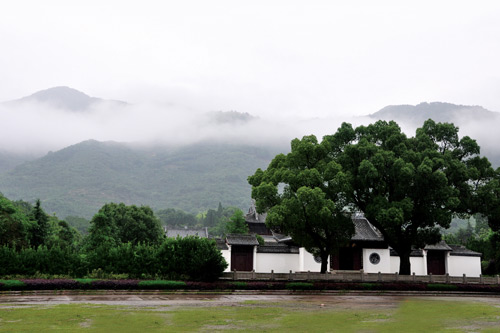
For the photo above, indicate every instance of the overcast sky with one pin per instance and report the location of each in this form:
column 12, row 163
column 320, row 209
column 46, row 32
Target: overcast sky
column 287, row 58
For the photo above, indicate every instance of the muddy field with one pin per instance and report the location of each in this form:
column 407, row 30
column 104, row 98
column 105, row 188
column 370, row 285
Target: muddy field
column 149, row 299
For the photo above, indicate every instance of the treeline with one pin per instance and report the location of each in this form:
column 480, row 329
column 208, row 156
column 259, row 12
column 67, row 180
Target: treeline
column 122, row 240
column 219, row 222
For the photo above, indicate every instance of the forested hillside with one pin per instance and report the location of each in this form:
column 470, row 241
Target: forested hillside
column 79, row 179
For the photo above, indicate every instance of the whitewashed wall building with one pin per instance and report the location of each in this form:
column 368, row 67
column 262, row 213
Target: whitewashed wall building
column 367, row 251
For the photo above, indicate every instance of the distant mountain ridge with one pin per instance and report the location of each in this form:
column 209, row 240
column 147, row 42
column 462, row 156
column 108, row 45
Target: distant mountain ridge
column 438, row 111
column 65, row 98
column 79, row 179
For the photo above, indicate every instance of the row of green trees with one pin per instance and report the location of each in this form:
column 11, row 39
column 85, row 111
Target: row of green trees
column 408, row 187
column 126, row 240
column 220, row 221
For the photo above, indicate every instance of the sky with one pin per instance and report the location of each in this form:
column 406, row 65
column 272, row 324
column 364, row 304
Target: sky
column 296, row 60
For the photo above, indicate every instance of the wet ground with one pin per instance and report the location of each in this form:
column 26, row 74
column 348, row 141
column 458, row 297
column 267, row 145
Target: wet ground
column 153, row 299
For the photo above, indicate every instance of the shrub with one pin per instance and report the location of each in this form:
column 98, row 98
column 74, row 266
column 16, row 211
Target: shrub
column 238, row 284
column 191, row 257
column 299, row 285
column 162, row 284
column 115, row 284
column 45, row 284
column 11, row 285
column 441, row 287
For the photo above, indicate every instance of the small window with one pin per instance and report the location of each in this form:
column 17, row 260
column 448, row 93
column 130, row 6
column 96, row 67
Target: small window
column 374, row 258
column 317, row 259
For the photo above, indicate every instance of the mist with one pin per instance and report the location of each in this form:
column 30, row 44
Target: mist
column 35, row 128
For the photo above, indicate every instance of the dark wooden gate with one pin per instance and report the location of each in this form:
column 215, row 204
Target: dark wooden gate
column 348, row 258
column 435, row 262
column 241, row 258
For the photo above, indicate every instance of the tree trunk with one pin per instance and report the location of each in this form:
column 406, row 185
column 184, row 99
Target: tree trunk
column 324, row 262
column 404, row 262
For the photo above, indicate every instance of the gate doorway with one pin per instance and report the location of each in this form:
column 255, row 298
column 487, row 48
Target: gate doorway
column 242, row 258
column 435, row 262
column 347, row 259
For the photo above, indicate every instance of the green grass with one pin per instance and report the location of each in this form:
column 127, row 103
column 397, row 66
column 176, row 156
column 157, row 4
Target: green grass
column 412, row 315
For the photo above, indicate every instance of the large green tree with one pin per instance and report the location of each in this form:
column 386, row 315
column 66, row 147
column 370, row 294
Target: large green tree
column 118, row 223
column 14, row 225
column 311, row 206
column 40, row 228
column 410, row 187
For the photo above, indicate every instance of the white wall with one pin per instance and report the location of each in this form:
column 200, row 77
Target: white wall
column 227, row 256
column 307, row 262
column 384, row 266
column 279, row 262
column 459, row 265
column 418, row 265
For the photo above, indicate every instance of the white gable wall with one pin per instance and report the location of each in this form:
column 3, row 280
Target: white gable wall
column 418, row 265
column 279, row 262
column 227, row 257
column 307, row 262
column 459, row 265
column 383, row 266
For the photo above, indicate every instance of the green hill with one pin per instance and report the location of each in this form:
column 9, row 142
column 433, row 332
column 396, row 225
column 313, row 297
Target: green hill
column 79, row 179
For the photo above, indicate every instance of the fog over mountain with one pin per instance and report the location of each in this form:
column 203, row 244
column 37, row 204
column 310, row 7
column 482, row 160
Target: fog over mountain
column 58, row 117
column 77, row 152
column 65, row 98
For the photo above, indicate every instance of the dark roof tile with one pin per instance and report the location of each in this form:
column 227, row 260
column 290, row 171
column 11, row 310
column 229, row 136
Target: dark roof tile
column 236, row 239
column 460, row 250
column 365, row 231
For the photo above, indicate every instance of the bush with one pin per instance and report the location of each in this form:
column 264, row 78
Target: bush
column 11, row 285
column 441, row 287
column 114, row 284
column 56, row 284
column 162, row 284
column 238, row 285
column 299, row 286
column 192, row 258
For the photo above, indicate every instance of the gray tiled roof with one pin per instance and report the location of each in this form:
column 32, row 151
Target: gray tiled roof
column 441, row 246
column 236, row 239
column 221, row 244
column 174, row 233
column 365, row 231
column 460, row 250
column 414, row 252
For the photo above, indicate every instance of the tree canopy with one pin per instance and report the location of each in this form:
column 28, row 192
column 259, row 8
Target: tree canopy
column 311, row 207
column 407, row 187
column 236, row 223
column 14, row 225
column 118, row 223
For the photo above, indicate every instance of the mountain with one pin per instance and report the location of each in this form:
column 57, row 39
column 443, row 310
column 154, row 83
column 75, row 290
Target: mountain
column 230, row 117
column 65, row 98
column 81, row 178
column 9, row 160
column 438, row 111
